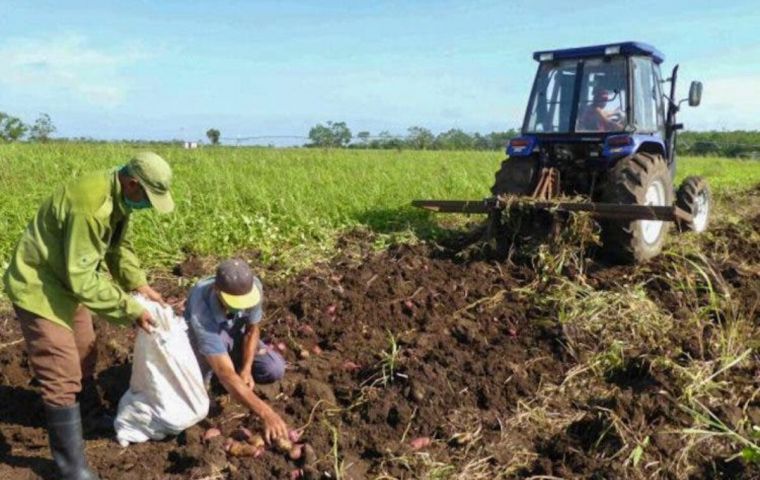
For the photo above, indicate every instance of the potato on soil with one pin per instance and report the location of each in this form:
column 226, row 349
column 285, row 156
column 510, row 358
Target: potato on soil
column 350, row 366
column 296, row 452
column 239, row 449
column 211, row 433
column 257, row 441
column 420, row 443
column 283, row 445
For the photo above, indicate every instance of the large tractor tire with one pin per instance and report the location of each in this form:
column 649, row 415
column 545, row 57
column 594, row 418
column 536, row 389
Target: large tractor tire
column 517, row 176
column 641, row 179
column 694, row 197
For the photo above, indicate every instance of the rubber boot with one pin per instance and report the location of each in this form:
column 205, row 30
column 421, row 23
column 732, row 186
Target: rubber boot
column 95, row 419
column 66, row 442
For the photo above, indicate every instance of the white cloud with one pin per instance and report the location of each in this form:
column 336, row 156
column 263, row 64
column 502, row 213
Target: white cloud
column 67, row 66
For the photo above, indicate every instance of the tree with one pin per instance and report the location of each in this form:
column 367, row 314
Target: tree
column 479, row 142
column 42, row 129
column 213, row 136
column 334, row 135
column 11, row 128
column 363, row 137
column 387, row 141
column 454, row 139
column 420, row 138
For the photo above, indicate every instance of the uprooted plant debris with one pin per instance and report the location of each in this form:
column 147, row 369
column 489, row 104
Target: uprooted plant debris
column 419, row 362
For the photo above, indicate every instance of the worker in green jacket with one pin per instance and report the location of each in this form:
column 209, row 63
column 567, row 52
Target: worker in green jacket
column 58, row 274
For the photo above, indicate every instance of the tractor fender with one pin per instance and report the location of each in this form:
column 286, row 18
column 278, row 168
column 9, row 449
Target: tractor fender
column 617, row 147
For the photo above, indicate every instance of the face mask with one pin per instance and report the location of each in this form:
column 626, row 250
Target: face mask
column 142, row 204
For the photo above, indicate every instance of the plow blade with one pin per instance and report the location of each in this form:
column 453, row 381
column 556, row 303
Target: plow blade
column 612, row 211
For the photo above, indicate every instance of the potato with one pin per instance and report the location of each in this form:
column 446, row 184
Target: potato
column 211, row 433
column 294, row 435
column 228, row 443
column 420, row 442
column 350, row 366
column 295, row 452
column 283, row 445
column 239, row 449
column 257, row 441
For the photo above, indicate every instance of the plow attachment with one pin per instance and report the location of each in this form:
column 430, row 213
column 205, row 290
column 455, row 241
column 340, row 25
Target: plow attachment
column 612, row 211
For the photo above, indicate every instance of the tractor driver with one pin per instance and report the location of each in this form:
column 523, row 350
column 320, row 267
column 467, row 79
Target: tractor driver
column 596, row 118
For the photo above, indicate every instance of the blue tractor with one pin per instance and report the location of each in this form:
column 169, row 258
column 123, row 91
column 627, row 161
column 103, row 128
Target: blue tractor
column 600, row 126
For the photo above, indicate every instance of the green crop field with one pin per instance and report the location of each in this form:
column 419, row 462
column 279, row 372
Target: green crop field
column 287, row 203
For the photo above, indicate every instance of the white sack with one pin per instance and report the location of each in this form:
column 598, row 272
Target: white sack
column 166, row 391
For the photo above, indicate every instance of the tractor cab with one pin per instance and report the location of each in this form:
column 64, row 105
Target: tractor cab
column 586, row 90
column 609, row 95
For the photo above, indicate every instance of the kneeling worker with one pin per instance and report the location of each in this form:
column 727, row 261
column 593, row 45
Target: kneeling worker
column 223, row 313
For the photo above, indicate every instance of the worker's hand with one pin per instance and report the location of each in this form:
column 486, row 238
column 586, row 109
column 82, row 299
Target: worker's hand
column 247, row 378
column 148, row 292
column 146, row 321
column 274, row 426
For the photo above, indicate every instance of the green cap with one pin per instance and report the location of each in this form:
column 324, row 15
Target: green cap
column 155, row 175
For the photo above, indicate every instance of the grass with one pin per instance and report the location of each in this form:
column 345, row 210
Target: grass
column 287, row 204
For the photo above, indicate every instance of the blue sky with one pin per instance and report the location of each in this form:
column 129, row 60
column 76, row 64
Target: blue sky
column 172, row 69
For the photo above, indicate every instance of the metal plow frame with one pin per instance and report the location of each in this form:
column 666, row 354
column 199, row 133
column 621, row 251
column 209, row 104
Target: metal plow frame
column 611, row 211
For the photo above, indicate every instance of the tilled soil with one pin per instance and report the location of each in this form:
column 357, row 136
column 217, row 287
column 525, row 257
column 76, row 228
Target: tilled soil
column 415, row 362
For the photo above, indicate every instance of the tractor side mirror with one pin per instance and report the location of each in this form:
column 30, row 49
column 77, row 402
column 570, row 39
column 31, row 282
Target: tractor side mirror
column 695, row 94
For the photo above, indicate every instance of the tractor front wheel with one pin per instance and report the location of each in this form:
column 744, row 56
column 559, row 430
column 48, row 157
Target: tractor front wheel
column 641, row 179
column 694, row 197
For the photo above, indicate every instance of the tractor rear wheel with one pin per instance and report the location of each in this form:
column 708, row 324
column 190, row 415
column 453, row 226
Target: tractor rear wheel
column 694, row 197
column 517, row 176
column 641, row 179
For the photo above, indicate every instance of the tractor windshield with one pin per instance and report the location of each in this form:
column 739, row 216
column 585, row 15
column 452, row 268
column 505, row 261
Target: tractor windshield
column 599, row 105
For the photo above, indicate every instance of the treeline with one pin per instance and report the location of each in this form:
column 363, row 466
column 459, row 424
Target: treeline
column 338, row 135
column 738, row 143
